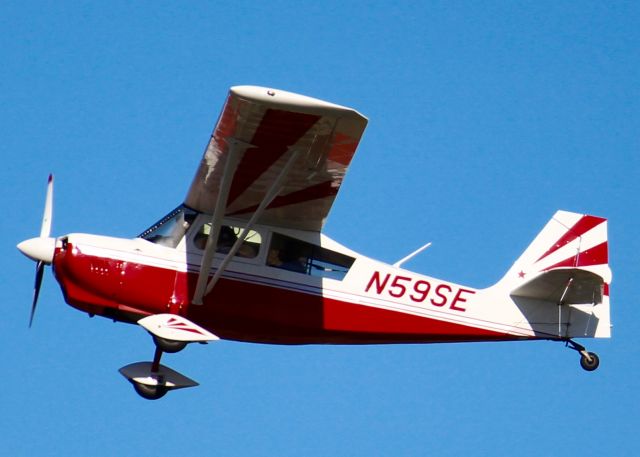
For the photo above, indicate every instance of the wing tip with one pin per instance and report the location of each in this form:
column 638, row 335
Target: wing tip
column 290, row 100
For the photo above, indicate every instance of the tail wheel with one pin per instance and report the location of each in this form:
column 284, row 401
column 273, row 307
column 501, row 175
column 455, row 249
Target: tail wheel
column 591, row 362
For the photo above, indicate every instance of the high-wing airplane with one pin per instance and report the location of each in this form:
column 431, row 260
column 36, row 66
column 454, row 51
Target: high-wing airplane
column 244, row 258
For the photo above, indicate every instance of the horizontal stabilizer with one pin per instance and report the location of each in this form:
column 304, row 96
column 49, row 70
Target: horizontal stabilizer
column 568, row 286
column 176, row 328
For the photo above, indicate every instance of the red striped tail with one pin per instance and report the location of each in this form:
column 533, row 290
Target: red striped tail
column 569, row 240
column 566, row 264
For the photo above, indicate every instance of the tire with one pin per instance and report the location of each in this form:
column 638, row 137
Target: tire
column 169, row 346
column 150, row 392
column 589, row 365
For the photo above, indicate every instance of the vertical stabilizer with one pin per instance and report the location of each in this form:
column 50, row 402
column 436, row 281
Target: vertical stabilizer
column 569, row 240
column 566, row 266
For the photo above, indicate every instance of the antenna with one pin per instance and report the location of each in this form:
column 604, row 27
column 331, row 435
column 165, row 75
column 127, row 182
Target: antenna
column 412, row 255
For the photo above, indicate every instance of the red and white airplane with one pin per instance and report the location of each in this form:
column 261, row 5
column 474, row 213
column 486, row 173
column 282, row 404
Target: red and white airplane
column 243, row 257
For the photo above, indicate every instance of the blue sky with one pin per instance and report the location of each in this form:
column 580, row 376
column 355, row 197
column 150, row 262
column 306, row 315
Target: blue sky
column 485, row 118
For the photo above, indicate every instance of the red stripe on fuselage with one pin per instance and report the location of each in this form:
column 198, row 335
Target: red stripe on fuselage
column 351, row 317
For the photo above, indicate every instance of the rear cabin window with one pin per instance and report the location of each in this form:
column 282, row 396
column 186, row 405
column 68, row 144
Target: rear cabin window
column 306, row 258
column 228, row 236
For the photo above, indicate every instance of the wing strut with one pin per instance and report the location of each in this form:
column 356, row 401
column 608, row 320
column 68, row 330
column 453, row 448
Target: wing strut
column 272, row 193
column 268, row 198
column 233, row 158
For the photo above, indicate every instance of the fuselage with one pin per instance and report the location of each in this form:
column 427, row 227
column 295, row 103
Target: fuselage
column 333, row 295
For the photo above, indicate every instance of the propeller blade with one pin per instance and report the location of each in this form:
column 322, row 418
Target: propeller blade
column 36, row 289
column 45, row 230
column 41, row 249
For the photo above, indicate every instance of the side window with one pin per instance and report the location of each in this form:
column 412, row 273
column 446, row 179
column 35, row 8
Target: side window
column 228, row 236
column 329, row 264
column 289, row 254
column 302, row 257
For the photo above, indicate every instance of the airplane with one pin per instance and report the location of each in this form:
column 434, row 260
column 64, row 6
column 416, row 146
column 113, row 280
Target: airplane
column 243, row 257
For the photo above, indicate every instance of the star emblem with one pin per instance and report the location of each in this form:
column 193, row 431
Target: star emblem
column 521, row 274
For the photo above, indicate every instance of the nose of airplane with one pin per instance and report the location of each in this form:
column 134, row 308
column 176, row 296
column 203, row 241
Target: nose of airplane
column 39, row 249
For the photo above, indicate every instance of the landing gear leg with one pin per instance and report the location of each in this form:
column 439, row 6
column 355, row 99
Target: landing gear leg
column 155, row 365
column 589, row 361
column 171, row 333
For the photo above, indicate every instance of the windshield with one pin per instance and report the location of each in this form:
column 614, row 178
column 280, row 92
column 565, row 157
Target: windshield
column 169, row 230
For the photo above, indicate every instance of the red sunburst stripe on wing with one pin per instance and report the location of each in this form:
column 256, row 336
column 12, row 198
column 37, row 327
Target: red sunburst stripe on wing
column 597, row 255
column 191, row 330
column 322, row 190
column 184, row 326
column 178, row 325
column 227, row 123
column 343, row 149
column 581, row 227
column 277, row 131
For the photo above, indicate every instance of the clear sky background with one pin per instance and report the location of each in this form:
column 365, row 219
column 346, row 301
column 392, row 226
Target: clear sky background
column 485, row 118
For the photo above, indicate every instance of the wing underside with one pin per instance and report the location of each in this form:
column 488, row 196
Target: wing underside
column 263, row 128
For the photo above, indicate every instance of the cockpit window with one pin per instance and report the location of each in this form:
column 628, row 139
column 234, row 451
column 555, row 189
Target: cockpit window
column 228, row 236
column 169, row 230
column 302, row 257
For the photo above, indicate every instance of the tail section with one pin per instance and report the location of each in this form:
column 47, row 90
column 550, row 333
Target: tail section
column 566, row 265
column 569, row 240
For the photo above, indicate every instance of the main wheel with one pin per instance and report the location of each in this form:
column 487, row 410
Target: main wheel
column 150, row 392
column 169, row 346
column 587, row 364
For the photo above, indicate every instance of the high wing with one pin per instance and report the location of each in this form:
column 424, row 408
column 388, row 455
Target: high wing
column 272, row 134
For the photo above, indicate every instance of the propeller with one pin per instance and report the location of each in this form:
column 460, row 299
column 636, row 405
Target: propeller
column 36, row 290
column 42, row 248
